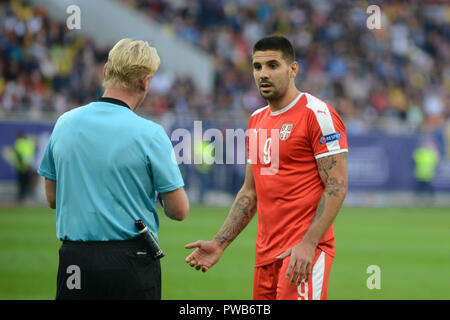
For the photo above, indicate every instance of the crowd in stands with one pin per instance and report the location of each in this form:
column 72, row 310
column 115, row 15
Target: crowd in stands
column 44, row 67
column 398, row 75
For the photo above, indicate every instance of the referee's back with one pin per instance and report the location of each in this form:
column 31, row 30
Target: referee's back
column 103, row 167
column 111, row 162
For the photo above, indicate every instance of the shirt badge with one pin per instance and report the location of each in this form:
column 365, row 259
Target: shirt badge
column 330, row 138
column 285, row 131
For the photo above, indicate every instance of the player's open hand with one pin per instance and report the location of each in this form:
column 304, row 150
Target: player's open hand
column 205, row 256
column 300, row 264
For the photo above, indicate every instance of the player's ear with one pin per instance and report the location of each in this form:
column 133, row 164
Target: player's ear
column 294, row 68
column 104, row 69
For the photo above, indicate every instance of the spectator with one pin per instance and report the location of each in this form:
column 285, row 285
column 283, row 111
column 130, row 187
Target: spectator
column 378, row 69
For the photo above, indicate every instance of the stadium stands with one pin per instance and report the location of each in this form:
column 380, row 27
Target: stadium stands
column 398, row 75
column 390, row 85
column 45, row 68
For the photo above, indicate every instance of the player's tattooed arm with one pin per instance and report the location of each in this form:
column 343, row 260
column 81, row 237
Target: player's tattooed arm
column 320, row 208
column 208, row 253
column 241, row 212
column 333, row 172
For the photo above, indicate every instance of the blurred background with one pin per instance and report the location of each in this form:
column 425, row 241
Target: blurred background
column 391, row 85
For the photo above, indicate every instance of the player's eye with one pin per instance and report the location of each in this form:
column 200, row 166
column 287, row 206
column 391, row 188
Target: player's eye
column 257, row 67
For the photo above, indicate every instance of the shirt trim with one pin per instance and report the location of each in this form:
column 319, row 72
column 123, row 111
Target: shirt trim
column 114, row 101
column 289, row 106
column 330, row 153
column 46, row 174
column 259, row 110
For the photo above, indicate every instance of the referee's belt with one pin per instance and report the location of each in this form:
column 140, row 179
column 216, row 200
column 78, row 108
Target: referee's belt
column 111, row 243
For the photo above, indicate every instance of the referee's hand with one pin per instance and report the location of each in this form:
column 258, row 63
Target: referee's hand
column 205, row 256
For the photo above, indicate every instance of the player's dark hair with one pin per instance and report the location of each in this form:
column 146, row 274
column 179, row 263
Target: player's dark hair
column 277, row 43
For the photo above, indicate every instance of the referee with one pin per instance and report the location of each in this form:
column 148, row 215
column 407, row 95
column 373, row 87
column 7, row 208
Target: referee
column 103, row 168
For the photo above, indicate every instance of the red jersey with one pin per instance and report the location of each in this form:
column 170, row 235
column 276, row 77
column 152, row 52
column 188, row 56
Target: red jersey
column 283, row 147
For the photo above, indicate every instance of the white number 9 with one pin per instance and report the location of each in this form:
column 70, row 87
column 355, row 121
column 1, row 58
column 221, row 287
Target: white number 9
column 267, row 146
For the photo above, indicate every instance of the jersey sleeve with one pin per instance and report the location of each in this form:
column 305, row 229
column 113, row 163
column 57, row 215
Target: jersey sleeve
column 47, row 167
column 165, row 172
column 250, row 142
column 327, row 132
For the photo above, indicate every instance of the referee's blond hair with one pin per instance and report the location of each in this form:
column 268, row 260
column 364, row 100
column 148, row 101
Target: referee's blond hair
column 128, row 61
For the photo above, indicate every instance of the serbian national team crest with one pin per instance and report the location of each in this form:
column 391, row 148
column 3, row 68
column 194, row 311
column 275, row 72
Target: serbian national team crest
column 285, row 131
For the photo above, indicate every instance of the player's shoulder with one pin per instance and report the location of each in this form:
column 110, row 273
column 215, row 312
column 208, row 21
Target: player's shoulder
column 320, row 108
column 316, row 104
column 260, row 111
column 321, row 114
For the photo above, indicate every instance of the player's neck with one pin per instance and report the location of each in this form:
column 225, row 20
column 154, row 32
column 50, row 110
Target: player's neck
column 284, row 100
column 131, row 98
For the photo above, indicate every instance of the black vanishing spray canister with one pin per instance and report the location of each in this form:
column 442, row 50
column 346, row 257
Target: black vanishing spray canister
column 148, row 237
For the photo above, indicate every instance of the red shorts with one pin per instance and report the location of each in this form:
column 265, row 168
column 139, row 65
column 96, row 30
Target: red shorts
column 270, row 281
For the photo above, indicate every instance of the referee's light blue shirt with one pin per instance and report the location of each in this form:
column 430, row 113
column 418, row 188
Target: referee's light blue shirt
column 108, row 164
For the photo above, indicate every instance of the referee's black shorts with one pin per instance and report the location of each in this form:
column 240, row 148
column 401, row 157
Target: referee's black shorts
column 113, row 270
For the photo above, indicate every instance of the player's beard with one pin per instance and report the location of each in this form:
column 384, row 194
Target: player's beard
column 274, row 94
column 277, row 91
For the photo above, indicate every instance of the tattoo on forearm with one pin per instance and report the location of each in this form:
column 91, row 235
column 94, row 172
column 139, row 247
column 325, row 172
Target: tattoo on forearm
column 320, row 208
column 242, row 204
column 334, row 186
column 241, row 213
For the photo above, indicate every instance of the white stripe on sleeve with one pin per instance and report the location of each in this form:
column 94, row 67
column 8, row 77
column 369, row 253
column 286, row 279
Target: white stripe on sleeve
column 324, row 119
column 321, row 155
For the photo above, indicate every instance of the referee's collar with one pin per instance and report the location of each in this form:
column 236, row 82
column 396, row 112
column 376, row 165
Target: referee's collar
column 115, row 101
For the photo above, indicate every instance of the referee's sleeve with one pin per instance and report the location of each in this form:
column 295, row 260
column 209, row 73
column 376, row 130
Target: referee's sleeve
column 47, row 167
column 165, row 172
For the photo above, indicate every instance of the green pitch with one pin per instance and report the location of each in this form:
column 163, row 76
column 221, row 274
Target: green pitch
column 410, row 246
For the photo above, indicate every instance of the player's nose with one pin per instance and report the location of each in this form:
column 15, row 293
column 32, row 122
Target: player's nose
column 264, row 74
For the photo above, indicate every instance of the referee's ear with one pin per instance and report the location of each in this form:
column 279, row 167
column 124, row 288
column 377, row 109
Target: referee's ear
column 144, row 83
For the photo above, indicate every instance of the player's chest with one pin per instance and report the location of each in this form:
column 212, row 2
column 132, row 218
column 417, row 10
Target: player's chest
column 284, row 139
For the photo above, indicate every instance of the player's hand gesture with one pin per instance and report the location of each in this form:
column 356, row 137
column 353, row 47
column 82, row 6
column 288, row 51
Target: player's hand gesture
column 302, row 258
column 205, row 256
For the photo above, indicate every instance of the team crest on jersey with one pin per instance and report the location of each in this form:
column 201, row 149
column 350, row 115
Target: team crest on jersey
column 285, row 131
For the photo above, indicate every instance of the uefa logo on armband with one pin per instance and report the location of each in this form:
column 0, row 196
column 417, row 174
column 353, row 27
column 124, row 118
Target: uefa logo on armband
column 330, row 138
